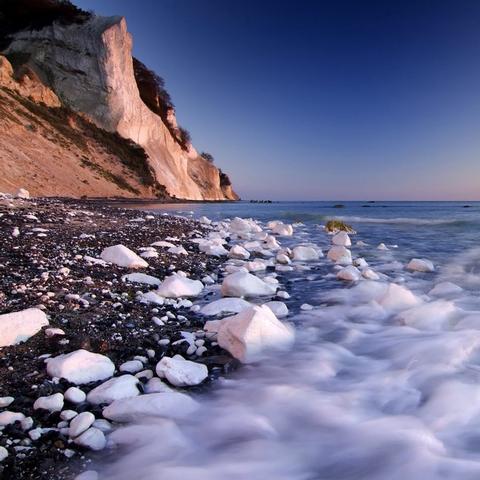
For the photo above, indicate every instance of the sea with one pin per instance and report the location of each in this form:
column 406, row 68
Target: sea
column 383, row 383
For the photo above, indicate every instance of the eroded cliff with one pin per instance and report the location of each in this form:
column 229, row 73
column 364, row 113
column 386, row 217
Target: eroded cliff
column 89, row 67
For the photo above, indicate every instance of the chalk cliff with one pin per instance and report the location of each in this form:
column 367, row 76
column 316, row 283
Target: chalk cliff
column 88, row 66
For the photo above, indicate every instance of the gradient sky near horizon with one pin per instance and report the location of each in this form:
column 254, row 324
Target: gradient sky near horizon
column 314, row 100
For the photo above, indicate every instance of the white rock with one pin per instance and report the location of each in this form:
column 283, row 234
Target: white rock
column 338, row 253
column 22, row 193
column 93, row 438
column 271, row 243
column 19, row 326
column 249, row 333
column 176, row 286
column 15, row 232
column 104, row 425
column 306, row 307
column 444, row 289
column 204, row 220
column 283, row 230
column 243, row 284
column 278, row 308
column 123, row 257
column 224, row 306
column 342, row 239
column 398, row 297
column 75, row 395
column 52, row 403
column 141, row 278
column 213, row 249
column 7, row 417
column 116, row 388
column 382, row 246
column 87, row 475
column 177, row 250
column 80, row 423
column 360, row 262
column 256, row 266
column 180, row 372
column 80, row 367
column 370, row 274
column 6, row 401
column 237, row 251
column 3, row 454
column 166, row 404
column 67, row 415
column 151, row 297
column 163, row 243
column 303, row 253
column 283, row 259
column 420, row 265
column 155, row 385
column 51, row 332
column 132, row 366
column 350, row 274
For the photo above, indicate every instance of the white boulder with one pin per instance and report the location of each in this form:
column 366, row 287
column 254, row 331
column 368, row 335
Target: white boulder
column 93, row 438
column 224, row 306
column 398, row 297
column 166, row 404
column 340, row 254
column 278, row 308
column 420, row 265
column 116, row 388
column 444, row 289
column 52, row 403
column 80, row 367
column 141, row 278
column 243, row 284
column 350, row 274
column 283, row 229
column 342, row 239
column 249, row 333
column 123, row 257
column 306, row 254
column 176, row 286
column 75, row 395
column 80, row 423
column 237, row 251
column 22, row 193
column 19, row 326
column 180, row 372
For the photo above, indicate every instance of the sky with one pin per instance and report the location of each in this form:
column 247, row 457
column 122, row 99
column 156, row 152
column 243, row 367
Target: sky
column 317, row 100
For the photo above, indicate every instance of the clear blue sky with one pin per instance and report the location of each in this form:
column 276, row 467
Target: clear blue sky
column 312, row 100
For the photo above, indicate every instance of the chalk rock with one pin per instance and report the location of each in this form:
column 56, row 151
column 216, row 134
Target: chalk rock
column 283, row 258
column 80, row 367
column 22, row 193
column 342, row 239
column 93, row 438
column 382, row 246
column 360, row 262
column 177, row 285
column 283, row 229
column 19, row 326
column 306, row 254
column 444, row 289
column 52, row 403
column 80, row 423
column 340, row 254
column 141, row 278
column 243, row 284
column 350, row 274
column 249, row 333
column 278, row 308
column 239, row 252
column 180, row 372
column 256, row 266
column 123, row 257
column 166, row 404
column 116, row 388
column 224, row 305
column 370, row 274
column 7, row 417
column 132, row 366
column 420, row 265
column 398, row 297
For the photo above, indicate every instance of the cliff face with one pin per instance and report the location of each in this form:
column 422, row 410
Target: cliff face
column 89, row 67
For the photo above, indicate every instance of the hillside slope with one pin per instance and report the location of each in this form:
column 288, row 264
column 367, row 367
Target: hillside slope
column 89, row 66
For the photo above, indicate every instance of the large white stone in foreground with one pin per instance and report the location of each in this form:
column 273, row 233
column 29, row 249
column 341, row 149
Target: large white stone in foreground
column 19, row 326
column 248, row 334
column 180, row 372
column 305, row 254
column 116, row 388
column 80, row 367
column 340, row 254
column 166, row 404
column 176, row 286
column 342, row 239
column 123, row 257
column 420, row 265
column 243, row 284
column 225, row 305
column 283, row 229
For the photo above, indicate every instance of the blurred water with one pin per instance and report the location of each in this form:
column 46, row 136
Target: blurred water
column 373, row 389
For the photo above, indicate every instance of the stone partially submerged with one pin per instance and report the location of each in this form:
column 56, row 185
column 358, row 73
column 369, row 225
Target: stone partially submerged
column 420, row 265
column 253, row 331
column 123, row 257
column 180, row 372
column 304, row 253
column 19, row 326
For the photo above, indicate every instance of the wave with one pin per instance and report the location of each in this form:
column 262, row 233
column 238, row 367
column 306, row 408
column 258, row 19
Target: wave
column 402, row 220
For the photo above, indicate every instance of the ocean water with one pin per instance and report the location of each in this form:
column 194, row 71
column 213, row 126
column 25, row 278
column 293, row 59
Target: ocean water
column 383, row 382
